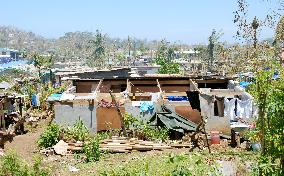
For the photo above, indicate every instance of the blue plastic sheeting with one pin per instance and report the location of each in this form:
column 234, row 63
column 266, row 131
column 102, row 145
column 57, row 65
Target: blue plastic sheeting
column 245, row 84
column 177, row 98
column 54, row 97
column 275, row 76
column 146, row 106
column 34, row 103
column 13, row 63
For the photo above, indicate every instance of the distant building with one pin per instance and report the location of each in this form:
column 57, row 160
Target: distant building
column 187, row 54
column 7, row 55
column 5, row 85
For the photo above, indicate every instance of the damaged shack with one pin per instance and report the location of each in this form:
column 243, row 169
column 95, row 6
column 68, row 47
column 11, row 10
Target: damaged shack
column 176, row 102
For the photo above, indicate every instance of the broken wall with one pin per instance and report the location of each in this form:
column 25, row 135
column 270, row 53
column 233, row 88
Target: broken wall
column 67, row 113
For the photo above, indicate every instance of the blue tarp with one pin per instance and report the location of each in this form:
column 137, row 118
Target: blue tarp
column 177, row 98
column 34, row 103
column 245, row 84
column 146, row 106
column 54, row 97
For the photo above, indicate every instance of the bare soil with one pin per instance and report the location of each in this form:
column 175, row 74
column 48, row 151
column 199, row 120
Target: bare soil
column 25, row 145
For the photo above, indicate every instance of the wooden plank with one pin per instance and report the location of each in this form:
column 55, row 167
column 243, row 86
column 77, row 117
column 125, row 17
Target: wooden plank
column 162, row 82
column 128, row 86
column 180, row 145
column 99, row 85
column 159, row 86
column 193, row 84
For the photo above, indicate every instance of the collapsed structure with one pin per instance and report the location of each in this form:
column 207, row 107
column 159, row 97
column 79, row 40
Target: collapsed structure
column 174, row 101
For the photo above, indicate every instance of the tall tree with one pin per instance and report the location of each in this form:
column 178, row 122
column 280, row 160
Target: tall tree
column 164, row 58
column 99, row 50
column 213, row 40
column 279, row 39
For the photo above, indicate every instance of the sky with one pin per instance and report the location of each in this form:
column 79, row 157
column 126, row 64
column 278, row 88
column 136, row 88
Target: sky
column 184, row 21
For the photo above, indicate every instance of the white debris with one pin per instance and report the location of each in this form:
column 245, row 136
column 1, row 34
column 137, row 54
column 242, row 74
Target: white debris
column 73, row 169
column 61, row 148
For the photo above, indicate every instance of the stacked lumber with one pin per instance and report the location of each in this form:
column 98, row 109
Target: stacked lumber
column 184, row 145
column 78, row 146
column 124, row 145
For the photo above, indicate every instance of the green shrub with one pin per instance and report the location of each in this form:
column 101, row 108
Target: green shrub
column 49, row 137
column 129, row 120
column 267, row 166
column 37, row 168
column 103, row 135
column 155, row 133
column 79, row 132
column 12, row 165
column 92, row 150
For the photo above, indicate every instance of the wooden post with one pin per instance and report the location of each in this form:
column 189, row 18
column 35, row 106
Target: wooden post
column 194, row 86
column 128, row 88
column 203, row 126
column 99, row 85
column 159, row 86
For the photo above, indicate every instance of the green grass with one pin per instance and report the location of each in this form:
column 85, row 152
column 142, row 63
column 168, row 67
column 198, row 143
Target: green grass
column 166, row 163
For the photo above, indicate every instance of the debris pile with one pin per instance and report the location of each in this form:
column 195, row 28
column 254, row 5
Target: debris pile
column 123, row 145
column 114, row 145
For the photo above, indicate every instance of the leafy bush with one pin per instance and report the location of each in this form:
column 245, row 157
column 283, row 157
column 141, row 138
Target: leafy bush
column 155, row 133
column 79, row 132
column 129, row 120
column 11, row 164
column 91, row 150
column 267, row 166
column 49, row 137
column 269, row 96
column 102, row 135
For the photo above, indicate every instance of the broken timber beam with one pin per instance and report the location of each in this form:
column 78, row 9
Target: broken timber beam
column 128, row 86
column 99, row 85
column 158, row 85
column 195, row 87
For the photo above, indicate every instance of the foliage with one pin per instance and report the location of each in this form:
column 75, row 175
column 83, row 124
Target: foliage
column 102, row 135
column 98, row 54
column 12, row 37
column 13, row 165
column 279, row 38
column 266, row 166
column 213, row 40
column 253, row 135
column 193, row 164
column 46, row 91
column 11, row 74
column 78, row 132
column 244, row 23
column 92, row 149
column 49, row 137
column 164, row 58
column 129, row 120
column 37, row 168
column 42, row 62
column 157, row 133
column 269, row 95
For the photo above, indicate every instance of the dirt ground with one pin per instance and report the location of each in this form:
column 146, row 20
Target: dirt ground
column 25, row 145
